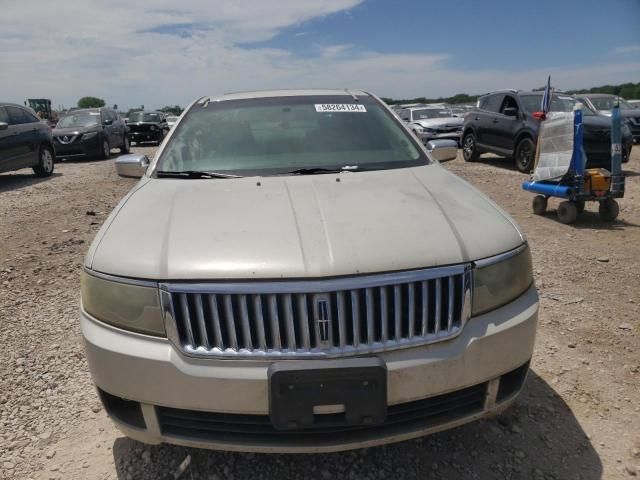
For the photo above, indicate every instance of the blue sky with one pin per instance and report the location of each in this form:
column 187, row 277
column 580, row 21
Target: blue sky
column 478, row 34
column 166, row 52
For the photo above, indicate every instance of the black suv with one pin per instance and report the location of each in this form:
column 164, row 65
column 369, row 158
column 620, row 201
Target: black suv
column 147, row 127
column 25, row 141
column 90, row 132
column 507, row 122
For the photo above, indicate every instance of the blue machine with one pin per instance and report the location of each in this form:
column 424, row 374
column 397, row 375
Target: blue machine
column 572, row 186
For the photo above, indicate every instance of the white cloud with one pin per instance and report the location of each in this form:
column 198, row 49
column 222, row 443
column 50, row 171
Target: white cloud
column 627, row 49
column 64, row 50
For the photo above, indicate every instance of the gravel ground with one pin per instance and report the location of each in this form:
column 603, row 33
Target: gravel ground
column 578, row 417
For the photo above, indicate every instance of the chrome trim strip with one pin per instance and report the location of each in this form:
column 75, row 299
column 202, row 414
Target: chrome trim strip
column 484, row 262
column 316, row 286
column 342, row 323
column 304, row 320
column 369, row 302
column 450, row 295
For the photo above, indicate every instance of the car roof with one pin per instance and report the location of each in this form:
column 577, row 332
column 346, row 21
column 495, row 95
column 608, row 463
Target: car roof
column 9, row 104
column 282, row 93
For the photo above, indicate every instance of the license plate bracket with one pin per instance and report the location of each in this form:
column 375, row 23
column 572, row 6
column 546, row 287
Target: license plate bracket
column 353, row 391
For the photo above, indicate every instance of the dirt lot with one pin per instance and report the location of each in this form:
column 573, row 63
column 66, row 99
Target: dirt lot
column 578, row 418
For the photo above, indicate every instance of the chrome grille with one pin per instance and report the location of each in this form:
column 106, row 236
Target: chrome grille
column 322, row 318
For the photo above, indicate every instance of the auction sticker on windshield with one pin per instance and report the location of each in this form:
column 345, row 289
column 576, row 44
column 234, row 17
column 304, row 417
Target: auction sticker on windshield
column 339, row 107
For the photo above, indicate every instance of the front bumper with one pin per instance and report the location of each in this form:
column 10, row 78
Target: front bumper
column 79, row 148
column 150, row 136
column 426, row 136
column 171, row 397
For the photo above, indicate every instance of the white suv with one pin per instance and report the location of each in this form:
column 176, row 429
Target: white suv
column 295, row 272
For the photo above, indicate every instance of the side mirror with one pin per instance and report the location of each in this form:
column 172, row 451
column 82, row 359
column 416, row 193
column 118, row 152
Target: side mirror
column 133, row 165
column 4, row 125
column 107, row 122
column 510, row 111
column 442, row 150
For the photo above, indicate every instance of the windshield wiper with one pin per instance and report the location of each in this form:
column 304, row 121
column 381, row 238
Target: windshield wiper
column 195, row 174
column 319, row 170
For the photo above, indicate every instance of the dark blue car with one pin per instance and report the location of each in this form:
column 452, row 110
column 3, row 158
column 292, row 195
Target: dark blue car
column 25, row 141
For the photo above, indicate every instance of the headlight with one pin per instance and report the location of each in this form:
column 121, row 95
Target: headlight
column 131, row 307
column 429, row 130
column 153, row 128
column 89, row 136
column 501, row 279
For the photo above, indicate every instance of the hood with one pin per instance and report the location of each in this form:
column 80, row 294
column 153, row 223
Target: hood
column 441, row 122
column 299, row 226
column 59, row 132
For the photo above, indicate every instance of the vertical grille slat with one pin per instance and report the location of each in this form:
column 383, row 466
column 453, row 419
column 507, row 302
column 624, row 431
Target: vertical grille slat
column 244, row 319
column 274, row 322
column 184, row 308
column 438, row 312
column 424, row 288
column 342, row 321
column 202, row 328
column 355, row 314
column 303, row 318
column 450, row 298
column 369, row 302
column 288, row 321
column 259, row 322
column 397, row 311
column 412, row 310
column 231, row 327
column 384, row 314
column 215, row 320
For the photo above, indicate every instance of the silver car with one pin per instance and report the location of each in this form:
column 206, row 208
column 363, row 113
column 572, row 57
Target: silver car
column 433, row 123
column 295, row 272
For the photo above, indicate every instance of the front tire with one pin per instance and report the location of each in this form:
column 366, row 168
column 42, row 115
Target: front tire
column 525, row 155
column 126, row 144
column 469, row 148
column 609, row 210
column 46, row 162
column 567, row 212
column 539, row 204
column 105, row 150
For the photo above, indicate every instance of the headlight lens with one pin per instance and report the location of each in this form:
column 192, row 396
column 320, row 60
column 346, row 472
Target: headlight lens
column 89, row 136
column 153, row 127
column 496, row 284
column 131, row 307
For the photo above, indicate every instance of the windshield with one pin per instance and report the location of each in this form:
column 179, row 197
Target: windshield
column 282, row 134
column 431, row 113
column 559, row 103
column 80, row 119
column 144, row 117
column 607, row 103
column 171, row 118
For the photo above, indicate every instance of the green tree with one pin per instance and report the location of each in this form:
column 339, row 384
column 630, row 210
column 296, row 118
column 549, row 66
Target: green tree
column 91, row 102
column 173, row 110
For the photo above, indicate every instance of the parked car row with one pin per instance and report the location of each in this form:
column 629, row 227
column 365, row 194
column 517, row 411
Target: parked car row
column 28, row 141
column 507, row 122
